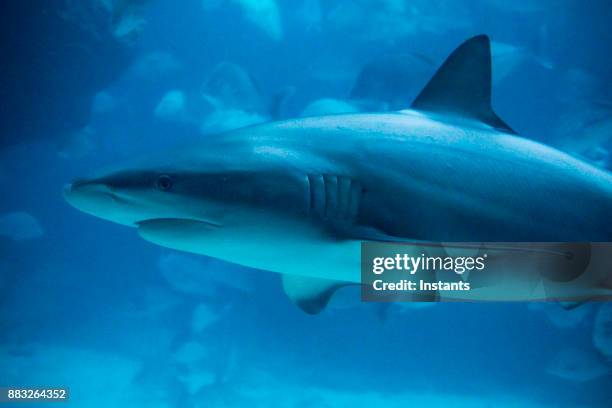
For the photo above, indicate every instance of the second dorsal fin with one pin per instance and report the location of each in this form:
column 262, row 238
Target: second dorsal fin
column 462, row 85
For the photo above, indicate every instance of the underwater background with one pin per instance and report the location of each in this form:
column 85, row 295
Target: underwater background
column 88, row 305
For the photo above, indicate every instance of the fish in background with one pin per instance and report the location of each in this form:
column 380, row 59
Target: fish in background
column 388, row 21
column 155, row 67
column 577, row 365
column 509, row 57
column 196, row 364
column 103, row 103
column 78, row 144
column 264, row 14
column 173, row 107
column 382, row 84
column 98, row 372
column 586, row 132
column 204, row 316
column 204, row 276
column 560, row 316
column 386, row 83
column 235, row 88
column 20, row 226
column 142, row 80
column 174, row 361
column 127, row 16
column 229, row 99
column 204, row 366
column 237, row 100
column 392, row 79
column 74, row 70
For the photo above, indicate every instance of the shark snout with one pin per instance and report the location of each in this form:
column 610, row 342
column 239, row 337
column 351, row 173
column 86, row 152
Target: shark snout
column 89, row 196
column 85, row 188
column 96, row 197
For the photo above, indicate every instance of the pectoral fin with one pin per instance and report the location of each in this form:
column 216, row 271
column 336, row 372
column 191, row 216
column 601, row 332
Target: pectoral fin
column 310, row 294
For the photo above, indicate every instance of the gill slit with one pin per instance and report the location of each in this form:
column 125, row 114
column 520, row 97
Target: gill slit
column 333, row 197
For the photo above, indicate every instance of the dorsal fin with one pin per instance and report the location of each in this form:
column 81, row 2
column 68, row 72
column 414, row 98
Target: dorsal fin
column 462, row 85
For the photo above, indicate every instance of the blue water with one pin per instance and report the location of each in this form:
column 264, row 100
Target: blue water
column 88, row 305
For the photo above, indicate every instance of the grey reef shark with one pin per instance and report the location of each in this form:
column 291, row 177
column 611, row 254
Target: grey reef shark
column 298, row 196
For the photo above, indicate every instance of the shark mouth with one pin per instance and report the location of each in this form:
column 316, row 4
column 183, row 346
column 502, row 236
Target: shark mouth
column 178, row 223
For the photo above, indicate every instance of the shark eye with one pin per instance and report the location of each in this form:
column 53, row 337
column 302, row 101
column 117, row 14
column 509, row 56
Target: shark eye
column 163, row 183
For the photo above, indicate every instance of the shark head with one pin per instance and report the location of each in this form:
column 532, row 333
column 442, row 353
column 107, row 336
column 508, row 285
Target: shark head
column 206, row 186
column 260, row 210
column 132, row 196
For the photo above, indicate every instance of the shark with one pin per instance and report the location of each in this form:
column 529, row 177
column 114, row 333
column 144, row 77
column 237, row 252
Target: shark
column 298, row 196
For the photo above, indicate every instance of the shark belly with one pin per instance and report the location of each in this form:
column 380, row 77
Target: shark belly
column 287, row 247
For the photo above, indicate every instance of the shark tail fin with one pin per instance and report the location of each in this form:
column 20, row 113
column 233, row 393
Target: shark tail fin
column 462, row 85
